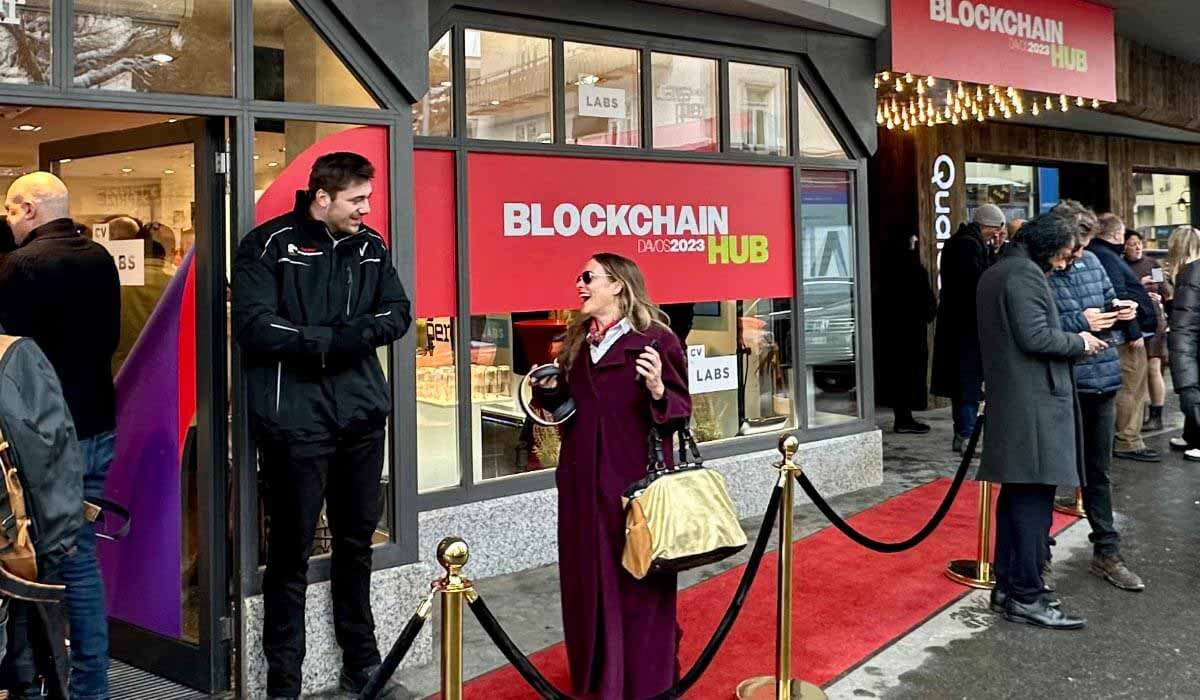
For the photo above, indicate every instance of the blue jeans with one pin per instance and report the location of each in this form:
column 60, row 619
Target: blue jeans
column 964, row 417
column 85, row 589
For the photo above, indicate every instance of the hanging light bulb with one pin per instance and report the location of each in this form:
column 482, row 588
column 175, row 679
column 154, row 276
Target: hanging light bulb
column 1035, row 110
column 930, row 80
column 920, row 88
column 1018, row 108
column 877, row 82
column 954, row 120
column 1078, row 101
column 1095, row 103
column 886, row 76
column 890, row 124
column 949, row 97
column 979, row 117
column 1049, row 104
column 908, row 78
column 961, row 91
column 991, row 110
column 879, row 117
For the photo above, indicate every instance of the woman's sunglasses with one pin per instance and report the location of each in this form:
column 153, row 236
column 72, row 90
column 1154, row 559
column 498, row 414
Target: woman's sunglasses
column 587, row 276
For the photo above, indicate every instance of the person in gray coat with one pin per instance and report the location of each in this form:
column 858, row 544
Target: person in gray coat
column 1031, row 440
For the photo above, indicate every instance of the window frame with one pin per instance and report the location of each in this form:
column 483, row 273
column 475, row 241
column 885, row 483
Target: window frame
column 799, row 71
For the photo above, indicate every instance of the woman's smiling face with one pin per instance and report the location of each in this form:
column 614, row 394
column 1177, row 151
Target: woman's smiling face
column 597, row 291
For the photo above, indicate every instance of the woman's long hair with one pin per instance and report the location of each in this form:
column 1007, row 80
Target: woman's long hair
column 1182, row 248
column 633, row 301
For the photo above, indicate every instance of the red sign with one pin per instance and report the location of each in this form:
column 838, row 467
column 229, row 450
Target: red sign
column 433, row 220
column 699, row 232
column 1055, row 46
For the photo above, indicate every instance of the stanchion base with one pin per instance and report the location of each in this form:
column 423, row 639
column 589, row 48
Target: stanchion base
column 1069, row 508
column 763, row 688
column 966, row 572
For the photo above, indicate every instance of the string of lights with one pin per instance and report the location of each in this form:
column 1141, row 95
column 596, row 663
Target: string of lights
column 908, row 101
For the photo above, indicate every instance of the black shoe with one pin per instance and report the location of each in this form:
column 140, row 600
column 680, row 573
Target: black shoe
column 1143, row 455
column 957, row 445
column 910, row 427
column 1040, row 614
column 354, row 681
column 999, row 599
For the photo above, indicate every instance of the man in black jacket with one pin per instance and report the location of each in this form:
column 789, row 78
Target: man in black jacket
column 314, row 294
column 957, row 359
column 63, row 291
column 1109, row 247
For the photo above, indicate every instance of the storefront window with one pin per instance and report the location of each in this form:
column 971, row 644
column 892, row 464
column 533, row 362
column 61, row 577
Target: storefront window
column 163, row 46
column 508, row 87
column 1010, row 187
column 830, row 303
column 758, row 97
column 434, row 113
column 602, row 95
column 25, row 45
column 284, row 152
column 1162, row 202
column 434, row 301
column 685, row 103
column 816, row 138
column 293, row 63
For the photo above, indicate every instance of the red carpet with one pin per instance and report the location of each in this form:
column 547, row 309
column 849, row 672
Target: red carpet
column 849, row 601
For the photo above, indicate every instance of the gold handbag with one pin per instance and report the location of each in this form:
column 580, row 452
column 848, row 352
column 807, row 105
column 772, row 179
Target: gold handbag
column 681, row 518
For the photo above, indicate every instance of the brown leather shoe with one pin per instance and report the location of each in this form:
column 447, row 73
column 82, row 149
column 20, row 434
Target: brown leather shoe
column 1112, row 569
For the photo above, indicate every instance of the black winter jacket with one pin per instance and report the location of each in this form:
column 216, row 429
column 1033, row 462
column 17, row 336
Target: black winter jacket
column 957, row 360
column 309, row 310
column 1184, row 338
column 63, row 291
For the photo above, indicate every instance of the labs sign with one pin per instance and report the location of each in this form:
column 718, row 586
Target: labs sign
column 699, row 232
column 1054, row 46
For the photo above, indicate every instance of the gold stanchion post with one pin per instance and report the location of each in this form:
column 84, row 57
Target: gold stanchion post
column 782, row 686
column 453, row 554
column 977, row 572
column 1073, row 508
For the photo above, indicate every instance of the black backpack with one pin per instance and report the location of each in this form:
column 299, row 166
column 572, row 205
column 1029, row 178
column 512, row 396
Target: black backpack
column 41, row 504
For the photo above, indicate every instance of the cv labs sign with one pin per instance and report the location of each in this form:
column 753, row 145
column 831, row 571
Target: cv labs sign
column 1053, row 46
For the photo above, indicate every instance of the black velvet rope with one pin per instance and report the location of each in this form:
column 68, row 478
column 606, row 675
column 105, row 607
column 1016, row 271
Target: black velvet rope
column 548, row 692
column 893, row 547
column 399, row 650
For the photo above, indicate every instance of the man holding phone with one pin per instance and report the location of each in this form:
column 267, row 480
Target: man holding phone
column 1150, row 274
column 1086, row 302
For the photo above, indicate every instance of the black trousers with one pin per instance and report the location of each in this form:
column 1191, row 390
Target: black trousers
column 1023, row 515
column 344, row 473
column 1099, row 427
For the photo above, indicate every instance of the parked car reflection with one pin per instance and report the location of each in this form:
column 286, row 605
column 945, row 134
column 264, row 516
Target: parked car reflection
column 829, row 332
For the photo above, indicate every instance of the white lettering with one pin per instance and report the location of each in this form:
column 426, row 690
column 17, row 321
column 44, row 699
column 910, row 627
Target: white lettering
column 566, row 219
column 535, row 215
column 687, row 222
column 516, row 219
column 592, row 220
column 966, row 14
column 664, row 219
column 715, row 222
column 618, row 220
column 937, row 10
column 943, row 178
column 639, row 219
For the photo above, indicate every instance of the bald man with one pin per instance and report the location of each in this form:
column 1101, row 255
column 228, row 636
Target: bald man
column 63, row 291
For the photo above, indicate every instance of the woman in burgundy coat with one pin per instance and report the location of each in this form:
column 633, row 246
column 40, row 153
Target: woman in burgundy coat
column 627, row 373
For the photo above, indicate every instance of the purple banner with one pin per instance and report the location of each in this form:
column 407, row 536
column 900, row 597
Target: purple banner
column 142, row 576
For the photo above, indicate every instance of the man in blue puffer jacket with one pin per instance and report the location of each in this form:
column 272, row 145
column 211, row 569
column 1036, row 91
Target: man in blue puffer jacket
column 1082, row 292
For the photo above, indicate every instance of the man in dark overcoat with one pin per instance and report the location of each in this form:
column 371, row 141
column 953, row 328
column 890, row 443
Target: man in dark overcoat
column 1031, row 443
column 957, row 360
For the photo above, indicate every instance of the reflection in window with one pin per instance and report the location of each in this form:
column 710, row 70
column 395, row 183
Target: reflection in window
column 830, row 304
column 434, row 113
column 277, row 144
column 1009, row 187
column 758, row 120
column 161, row 46
column 816, row 138
column 685, row 102
column 437, row 404
column 508, row 87
column 503, row 349
column 293, row 63
column 25, row 46
column 602, row 95
column 1162, row 202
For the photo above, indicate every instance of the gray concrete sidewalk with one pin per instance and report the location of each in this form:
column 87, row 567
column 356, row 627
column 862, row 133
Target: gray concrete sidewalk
column 527, row 603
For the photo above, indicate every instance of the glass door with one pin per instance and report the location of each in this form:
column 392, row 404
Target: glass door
column 154, row 198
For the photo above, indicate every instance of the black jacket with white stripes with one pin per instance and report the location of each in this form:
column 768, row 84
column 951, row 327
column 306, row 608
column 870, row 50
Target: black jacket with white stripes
column 309, row 311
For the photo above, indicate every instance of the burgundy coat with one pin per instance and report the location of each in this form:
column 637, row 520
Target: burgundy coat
column 621, row 633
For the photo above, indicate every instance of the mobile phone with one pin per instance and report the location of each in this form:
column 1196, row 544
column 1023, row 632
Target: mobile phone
column 1156, row 274
column 638, row 377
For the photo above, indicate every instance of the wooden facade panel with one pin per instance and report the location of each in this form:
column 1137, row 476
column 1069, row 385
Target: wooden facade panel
column 1120, row 185
column 1071, row 146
